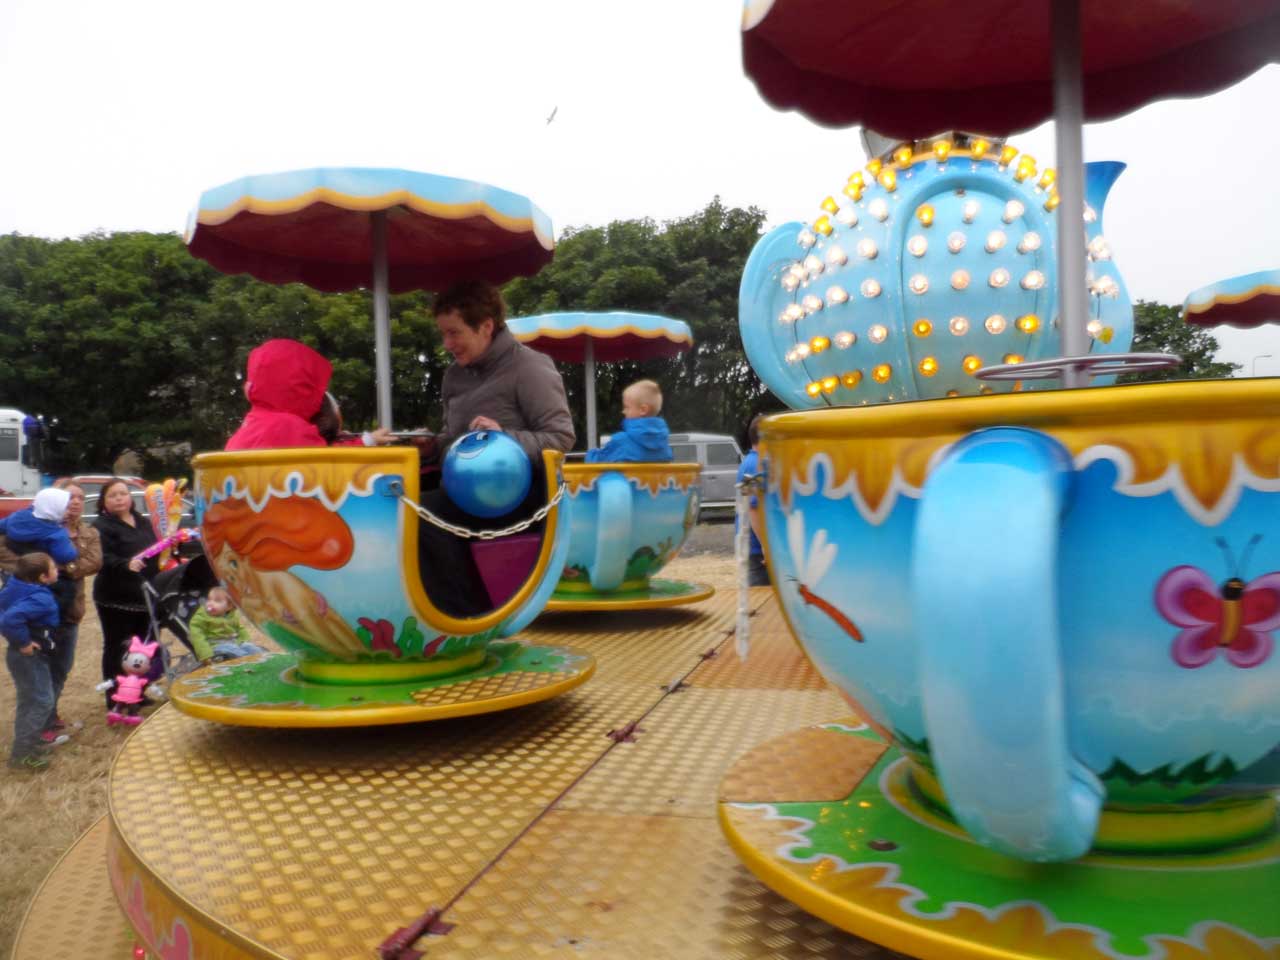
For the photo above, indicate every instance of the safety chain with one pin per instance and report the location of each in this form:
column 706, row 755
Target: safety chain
column 457, row 531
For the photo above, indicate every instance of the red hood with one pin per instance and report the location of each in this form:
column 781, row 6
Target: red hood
column 287, row 376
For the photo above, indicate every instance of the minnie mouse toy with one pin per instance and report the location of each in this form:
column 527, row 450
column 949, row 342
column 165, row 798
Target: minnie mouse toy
column 133, row 687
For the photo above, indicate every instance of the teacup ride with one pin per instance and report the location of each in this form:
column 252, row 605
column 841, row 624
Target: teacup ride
column 628, row 520
column 1246, row 301
column 318, row 547
column 1051, row 611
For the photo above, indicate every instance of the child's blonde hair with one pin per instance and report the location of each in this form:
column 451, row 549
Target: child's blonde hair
column 648, row 393
column 221, row 593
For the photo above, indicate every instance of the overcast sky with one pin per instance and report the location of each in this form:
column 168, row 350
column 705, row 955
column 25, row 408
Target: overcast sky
column 115, row 116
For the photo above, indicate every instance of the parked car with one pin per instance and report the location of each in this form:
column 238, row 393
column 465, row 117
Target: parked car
column 719, row 455
column 189, row 549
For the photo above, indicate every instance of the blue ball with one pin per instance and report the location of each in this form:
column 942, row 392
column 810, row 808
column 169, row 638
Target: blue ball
column 486, row 473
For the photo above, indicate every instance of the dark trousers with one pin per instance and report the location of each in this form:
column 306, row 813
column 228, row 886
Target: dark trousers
column 757, row 571
column 118, row 627
column 448, row 570
column 34, row 702
column 61, row 661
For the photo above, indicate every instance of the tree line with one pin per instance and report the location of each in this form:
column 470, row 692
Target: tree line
column 126, row 341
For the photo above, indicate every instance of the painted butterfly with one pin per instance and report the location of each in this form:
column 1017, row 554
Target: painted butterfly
column 1234, row 619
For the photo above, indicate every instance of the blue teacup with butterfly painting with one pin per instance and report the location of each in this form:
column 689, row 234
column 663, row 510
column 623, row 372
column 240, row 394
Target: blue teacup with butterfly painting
column 1060, row 605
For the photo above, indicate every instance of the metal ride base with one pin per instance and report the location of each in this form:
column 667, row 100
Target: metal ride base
column 583, row 824
column 654, row 594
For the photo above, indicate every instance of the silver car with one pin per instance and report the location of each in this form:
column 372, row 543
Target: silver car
column 719, row 455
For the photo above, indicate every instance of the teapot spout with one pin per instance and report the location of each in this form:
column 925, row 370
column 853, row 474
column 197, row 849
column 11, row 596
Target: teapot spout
column 1098, row 179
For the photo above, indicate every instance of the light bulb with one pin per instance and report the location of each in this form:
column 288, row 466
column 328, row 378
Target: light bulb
column 873, row 166
column 848, row 216
column 851, row 378
column 837, row 295
column 792, row 356
column 870, row 288
column 1029, row 243
column 918, row 283
column 811, row 303
column 959, row 326
column 818, row 344
column 928, row 366
column 969, row 212
column 823, row 225
column 1099, row 249
column 888, row 179
column 942, row 150
column 878, row 208
column 999, row 277
column 792, row 313
column 924, row 213
column 995, row 324
column 797, row 270
column 978, row 148
column 845, row 339
column 853, row 191
column 812, row 266
column 1090, row 214
column 1051, row 204
column 1047, row 178
column 959, row 279
column 836, row 255
column 881, row 373
column 806, row 238
column 902, row 156
column 971, row 364
column 856, row 180
column 1006, row 155
column 1013, row 210
column 1033, row 280
column 877, row 333
column 1013, row 358
column 867, row 248
column 813, row 388
column 830, row 383
column 1026, row 168
column 790, row 281
column 995, row 241
column 801, row 350
column 1028, row 323
column 829, row 204
column 955, row 241
column 922, row 328
column 1093, row 327
column 917, row 245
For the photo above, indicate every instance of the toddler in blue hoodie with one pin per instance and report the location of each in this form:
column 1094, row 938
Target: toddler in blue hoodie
column 643, row 437
column 28, row 616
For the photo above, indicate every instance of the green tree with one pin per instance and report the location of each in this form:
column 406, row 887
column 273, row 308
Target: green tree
column 1159, row 328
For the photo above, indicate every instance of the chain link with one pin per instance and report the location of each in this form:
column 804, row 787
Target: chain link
column 458, row 531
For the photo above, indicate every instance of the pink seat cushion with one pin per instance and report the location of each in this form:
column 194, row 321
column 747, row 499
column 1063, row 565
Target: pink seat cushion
column 505, row 564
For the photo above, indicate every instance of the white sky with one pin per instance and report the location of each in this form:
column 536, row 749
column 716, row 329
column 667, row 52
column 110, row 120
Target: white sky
column 116, row 116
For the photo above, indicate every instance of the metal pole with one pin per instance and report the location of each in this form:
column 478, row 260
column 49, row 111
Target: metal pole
column 593, row 439
column 1068, row 122
column 1253, row 372
column 382, row 318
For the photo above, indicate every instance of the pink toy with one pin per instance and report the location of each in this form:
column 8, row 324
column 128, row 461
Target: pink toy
column 167, row 543
column 132, row 687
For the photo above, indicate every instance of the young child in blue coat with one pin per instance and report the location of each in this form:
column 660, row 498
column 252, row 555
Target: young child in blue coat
column 28, row 617
column 643, row 437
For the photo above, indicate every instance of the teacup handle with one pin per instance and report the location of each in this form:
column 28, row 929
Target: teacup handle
column 985, row 605
column 613, row 531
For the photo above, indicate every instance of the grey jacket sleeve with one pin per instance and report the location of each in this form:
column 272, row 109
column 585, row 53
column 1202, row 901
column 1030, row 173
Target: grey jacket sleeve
column 544, row 406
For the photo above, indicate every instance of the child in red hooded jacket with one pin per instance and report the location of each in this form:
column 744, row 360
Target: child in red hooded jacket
column 286, row 388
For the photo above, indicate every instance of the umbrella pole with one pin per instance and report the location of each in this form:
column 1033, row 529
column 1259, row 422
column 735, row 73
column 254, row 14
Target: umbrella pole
column 382, row 318
column 593, row 439
column 1068, row 123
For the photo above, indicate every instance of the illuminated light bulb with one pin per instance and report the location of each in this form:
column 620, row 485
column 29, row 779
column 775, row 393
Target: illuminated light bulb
column 853, row 191
column 823, row 225
column 879, row 209
column 922, row 328
column 1099, row 249
column 873, row 166
column 978, row 148
column 953, row 393
column 985, row 390
column 857, row 180
column 789, row 282
column 902, row 156
column 999, row 277
column 813, row 388
column 801, row 350
column 969, row 212
column 1026, row 168
column 1047, row 179
column 1090, row 214
column 971, row 364
column 877, row 333
column 1051, row 204
column 812, row 266
column 870, row 288
column 959, row 279
column 995, row 240
column 959, row 326
column 806, row 238
column 867, row 248
column 918, row 283
column 1093, row 328
column 917, row 245
column 1106, row 334
column 836, row 255
column 1006, row 156
column 848, row 216
column 811, row 303
column 837, row 295
column 942, row 150
column 1104, row 286
column 995, row 324
column 851, row 378
column 829, row 204
column 845, row 339
column 955, row 241
column 1028, row 323
column 793, row 313
column 818, row 344
column 1029, row 243
column 829, row 384
column 928, row 366
column 792, row 356
column 1013, row 210
column 881, row 373
column 924, row 213
column 888, row 179
column 1033, row 280
column 1013, row 358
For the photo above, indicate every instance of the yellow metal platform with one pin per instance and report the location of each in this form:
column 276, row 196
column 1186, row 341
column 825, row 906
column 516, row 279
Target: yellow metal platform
column 534, row 831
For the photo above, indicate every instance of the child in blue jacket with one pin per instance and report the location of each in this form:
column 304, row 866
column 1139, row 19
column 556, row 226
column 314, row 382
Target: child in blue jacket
column 28, row 617
column 643, row 438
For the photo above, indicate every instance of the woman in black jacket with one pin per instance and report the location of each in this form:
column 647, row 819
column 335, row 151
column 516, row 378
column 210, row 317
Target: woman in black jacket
column 117, row 591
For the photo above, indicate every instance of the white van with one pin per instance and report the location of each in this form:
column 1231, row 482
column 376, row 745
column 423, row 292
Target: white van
column 719, row 455
column 19, row 477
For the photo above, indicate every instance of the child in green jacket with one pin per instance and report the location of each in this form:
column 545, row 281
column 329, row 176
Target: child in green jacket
column 216, row 630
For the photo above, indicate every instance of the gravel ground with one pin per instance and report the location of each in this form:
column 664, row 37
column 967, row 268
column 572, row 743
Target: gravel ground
column 710, row 538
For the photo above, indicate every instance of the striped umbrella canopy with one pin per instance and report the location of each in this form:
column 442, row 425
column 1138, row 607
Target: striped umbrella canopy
column 1246, row 301
column 389, row 230
column 588, row 337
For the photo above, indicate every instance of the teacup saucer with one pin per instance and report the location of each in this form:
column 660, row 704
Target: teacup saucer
column 829, row 818
column 266, row 690
column 657, row 593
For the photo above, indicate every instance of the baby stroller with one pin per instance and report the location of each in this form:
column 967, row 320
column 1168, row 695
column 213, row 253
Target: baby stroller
column 173, row 596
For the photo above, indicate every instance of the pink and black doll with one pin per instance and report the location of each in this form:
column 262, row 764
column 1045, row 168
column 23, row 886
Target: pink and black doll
column 133, row 687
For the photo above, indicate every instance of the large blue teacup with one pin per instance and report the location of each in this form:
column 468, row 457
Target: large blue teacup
column 627, row 521
column 1060, row 605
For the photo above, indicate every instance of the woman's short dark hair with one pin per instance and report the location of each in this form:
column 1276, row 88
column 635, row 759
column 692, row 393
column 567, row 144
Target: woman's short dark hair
column 753, row 430
column 102, row 494
column 32, row 566
column 475, row 301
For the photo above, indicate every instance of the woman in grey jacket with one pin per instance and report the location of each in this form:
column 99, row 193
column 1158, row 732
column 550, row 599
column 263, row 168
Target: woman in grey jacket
column 494, row 383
